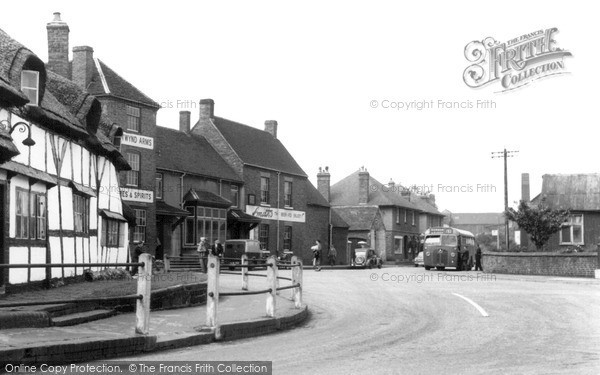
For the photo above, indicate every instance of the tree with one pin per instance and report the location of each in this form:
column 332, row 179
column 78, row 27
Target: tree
column 539, row 221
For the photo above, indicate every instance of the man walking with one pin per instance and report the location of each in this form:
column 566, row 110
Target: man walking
column 478, row 259
column 203, row 253
column 332, row 255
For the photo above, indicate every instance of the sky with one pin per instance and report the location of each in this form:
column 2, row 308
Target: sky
column 333, row 74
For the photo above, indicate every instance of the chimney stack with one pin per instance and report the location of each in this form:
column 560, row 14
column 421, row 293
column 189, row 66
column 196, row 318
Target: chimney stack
column 58, row 46
column 363, row 186
column 184, row 121
column 324, row 183
column 271, row 127
column 525, row 193
column 391, row 184
column 83, row 66
column 207, row 109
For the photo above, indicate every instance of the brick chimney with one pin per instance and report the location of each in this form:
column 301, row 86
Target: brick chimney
column 363, row 186
column 525, row 192
column 184, row 121
column 83, row 66
column 271, row 127
column 207, row 109
column 58, row 46
column 324, row 183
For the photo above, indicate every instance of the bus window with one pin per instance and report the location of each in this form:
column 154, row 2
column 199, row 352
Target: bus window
column 432, row 240
column 448, row 240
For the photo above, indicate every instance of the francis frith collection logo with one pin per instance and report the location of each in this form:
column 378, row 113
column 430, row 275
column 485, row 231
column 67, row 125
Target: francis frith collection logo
column 514, row 63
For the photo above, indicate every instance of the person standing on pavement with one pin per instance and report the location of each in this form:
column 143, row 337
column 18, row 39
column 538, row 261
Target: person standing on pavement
column 217, row 249
column 139, row 250
column 203, row 253
column 316, row 249
column 332, row 255
column 478, row 259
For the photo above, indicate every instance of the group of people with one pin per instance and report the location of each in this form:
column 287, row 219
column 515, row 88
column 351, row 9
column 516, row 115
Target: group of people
column 316, row 249
column 204, row 249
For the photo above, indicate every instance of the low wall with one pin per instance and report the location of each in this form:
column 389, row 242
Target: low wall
column 167, row 298
column 538, row 263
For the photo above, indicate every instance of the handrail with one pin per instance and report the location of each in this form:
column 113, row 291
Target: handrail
column 77, row 265
column 246, row 293
column 74, row 300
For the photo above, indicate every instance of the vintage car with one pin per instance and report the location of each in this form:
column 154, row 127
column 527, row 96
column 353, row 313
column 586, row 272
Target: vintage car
column 366, row 257
column 419, row 260
column 235, row 248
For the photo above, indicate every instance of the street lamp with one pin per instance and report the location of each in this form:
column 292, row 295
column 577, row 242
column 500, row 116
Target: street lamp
column 5, row 125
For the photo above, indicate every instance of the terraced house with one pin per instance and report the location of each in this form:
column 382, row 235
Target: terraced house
column 57, row 204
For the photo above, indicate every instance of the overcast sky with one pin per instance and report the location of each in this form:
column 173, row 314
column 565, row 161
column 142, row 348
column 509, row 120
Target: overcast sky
column 316, row 67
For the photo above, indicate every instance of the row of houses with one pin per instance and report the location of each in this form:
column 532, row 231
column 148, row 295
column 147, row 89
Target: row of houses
column 86, row 172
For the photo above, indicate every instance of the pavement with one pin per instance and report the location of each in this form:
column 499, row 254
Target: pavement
column 238, row 317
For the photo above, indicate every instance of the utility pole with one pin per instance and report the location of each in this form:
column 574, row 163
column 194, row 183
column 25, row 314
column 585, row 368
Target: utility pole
column 505, row 154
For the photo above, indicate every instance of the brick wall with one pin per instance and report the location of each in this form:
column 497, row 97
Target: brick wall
column 553, row 264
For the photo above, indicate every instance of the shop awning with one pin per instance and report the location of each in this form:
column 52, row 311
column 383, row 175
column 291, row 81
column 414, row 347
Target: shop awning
column 205, row 198
column 238, row 215
column 82, row 189
column 8, row 150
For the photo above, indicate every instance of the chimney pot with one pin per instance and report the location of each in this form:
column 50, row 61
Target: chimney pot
column 271, row 127
column 184, row 121
column 83, row 66
column 363, row 186
column 324, row 183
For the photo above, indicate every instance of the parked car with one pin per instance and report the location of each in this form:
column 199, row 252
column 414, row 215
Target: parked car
column 419, row 260
column 366, row 257
column 234, row 249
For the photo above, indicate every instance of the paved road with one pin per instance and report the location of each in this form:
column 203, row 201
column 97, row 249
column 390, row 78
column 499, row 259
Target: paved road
column 412, row 321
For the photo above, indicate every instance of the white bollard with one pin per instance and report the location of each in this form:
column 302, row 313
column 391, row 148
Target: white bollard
column 272, row 284
column 297, row 279
column 244, row 272
column 144, row 286
column 212, row 291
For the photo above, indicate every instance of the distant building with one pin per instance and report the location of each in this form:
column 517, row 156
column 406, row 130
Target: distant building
column 389, row 217
column 579, row 193
column 476, row 223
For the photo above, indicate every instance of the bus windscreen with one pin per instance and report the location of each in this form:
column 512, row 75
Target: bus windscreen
column 444, row 240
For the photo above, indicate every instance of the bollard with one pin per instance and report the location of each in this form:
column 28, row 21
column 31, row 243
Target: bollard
column 212, row 291
column 297, row 279
column 142, row 307
column 272, row 284
column 244, row 272
column 167, row 261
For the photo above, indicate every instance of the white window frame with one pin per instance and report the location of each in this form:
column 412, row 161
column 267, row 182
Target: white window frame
column 139, row 231
column 265, row 195
column 571, row 223
column 134, row 113
column 133, row 176
column 29, row 91
column 287, row 195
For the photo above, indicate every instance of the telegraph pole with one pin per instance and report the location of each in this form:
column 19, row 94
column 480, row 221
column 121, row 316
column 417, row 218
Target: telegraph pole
column 505, row 154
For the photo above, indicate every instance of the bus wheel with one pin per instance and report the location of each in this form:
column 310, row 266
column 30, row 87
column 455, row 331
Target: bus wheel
column 427, row 268
column 440, row 268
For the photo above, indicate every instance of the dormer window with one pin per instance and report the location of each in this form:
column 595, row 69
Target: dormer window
column 30, row 86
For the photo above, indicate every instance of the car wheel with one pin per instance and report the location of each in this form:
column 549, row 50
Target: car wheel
column 440, row 268
column 379, row 266
column 427, row 268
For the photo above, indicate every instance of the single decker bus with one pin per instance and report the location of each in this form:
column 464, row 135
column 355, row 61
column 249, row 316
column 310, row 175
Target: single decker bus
column 448, row 247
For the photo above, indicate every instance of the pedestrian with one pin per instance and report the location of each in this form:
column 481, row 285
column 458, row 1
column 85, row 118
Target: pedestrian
column 203, row 253
column 458, row 259
column 478, row 259
column 217, row 249
column 139, row 250
column 316, row 249
column 332, row 255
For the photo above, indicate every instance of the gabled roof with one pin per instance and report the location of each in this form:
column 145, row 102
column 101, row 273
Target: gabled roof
column 337, row 221
column 191, row 153
column 488, row 218
column 257, row 147
column 314, row 197
column 345, row 193
column 576, row 192
column 360, row 217
column 106, row 81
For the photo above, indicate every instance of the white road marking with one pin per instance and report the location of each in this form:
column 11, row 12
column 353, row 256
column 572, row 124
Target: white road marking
column 479, row 308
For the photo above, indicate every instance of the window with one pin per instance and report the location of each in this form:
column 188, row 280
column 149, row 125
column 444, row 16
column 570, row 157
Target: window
column 405, row 216
column 235, row 195
column 159, row 186
column 133, row 119
column 287, row 194
column 287, row 238
column 81, row 213
column 30, row 81
column 133, row 176
column 264, row 190
column 139, row 232
column 113, row 233
column 572, row 230
column 189, row 227
column 205, row 222
column 263, row 236
column 413, row 217
column 398, row 215
column 30, row 221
